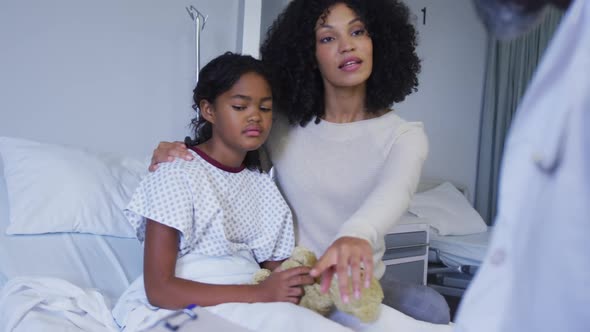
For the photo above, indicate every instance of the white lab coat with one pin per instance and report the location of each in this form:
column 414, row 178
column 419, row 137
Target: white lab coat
column 536, row 276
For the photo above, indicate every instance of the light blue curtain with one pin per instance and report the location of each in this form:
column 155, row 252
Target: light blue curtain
column 510, row 66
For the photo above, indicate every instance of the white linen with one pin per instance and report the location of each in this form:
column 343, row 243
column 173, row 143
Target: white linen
column 286, row 317
column 56, row 188
column 38, row 304
column 447, row 211
column 537, row 271
column 456, row 250
column 89, row 261
column 134, row 312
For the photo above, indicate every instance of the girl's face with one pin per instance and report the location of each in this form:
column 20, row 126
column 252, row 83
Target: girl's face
column 344, row 50
column 242, row 116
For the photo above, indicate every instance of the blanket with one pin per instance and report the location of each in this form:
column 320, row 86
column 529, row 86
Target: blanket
column 49, row 304
column 133, row 312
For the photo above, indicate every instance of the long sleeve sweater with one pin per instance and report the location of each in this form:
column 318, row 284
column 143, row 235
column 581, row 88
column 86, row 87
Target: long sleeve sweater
column 351, row 179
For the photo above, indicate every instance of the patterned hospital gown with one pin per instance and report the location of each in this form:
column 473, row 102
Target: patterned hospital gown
column 217, row 210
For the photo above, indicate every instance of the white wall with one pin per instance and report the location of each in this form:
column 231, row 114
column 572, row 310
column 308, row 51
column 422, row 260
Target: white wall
column 118, row 75
column 270, row 10
column 452, row 46
column 110, row 75
column 252, row 10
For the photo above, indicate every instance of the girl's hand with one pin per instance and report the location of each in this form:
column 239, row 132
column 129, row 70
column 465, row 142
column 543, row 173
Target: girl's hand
column 285, row 286
column 167, row 151
column 344, row 255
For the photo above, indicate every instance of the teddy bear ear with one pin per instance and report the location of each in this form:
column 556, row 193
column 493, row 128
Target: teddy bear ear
column 304, row 256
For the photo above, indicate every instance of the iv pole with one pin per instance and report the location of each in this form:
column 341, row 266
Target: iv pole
column 197, row 17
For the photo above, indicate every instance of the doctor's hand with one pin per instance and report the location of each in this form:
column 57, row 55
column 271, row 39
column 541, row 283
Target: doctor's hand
column 167, row 151
column 344, row 255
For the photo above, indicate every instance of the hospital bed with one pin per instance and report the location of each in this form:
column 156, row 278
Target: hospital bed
column 459, row 237
column 454, row 261
column 66, row 252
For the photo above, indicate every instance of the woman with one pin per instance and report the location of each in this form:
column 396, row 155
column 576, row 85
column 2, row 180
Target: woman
column 345, row 162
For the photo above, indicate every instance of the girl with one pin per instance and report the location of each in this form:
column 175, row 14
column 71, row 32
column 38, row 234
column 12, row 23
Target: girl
column 338, row 66
column 208, row 224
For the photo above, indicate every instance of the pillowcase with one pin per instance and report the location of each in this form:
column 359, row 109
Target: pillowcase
column 447, row 211
column 106, row 263
column 55, row 188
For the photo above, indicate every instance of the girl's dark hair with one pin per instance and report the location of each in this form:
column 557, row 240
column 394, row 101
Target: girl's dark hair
column 217, row 77
column 289, row 54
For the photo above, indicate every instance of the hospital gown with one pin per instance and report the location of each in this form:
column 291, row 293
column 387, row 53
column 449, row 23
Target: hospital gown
column 217, row 210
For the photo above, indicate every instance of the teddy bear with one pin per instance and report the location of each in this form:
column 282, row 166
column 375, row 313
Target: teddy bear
column 366, row 308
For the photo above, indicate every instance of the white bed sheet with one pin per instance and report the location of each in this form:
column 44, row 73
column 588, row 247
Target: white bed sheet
column 455, row 250
column 88, row 261
column 458, row 250
column 47, row 304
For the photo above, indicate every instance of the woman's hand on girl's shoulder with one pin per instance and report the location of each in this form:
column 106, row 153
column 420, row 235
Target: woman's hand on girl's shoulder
column 167, row 151
column 345, row 256
column 285, row 285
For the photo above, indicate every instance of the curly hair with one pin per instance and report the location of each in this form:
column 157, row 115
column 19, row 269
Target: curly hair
column 289, row 53
column 217, row 77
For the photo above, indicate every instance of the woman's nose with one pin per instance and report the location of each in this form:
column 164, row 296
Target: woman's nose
column 346, row 45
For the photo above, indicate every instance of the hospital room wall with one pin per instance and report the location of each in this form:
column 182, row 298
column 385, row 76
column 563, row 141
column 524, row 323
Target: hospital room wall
column 118, row 75
column 452, row 46
column 109, row 75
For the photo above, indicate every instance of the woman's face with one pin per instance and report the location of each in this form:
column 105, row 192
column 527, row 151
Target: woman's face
column 344, row 50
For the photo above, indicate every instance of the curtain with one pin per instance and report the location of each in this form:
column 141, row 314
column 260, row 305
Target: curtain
column 510, row 66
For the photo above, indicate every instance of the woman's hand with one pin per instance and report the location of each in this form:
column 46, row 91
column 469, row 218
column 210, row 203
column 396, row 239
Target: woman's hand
column 344, row 255
column 285, row 286
column 167, row 151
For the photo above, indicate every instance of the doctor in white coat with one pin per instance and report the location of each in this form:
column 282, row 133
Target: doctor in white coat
column 536, row 276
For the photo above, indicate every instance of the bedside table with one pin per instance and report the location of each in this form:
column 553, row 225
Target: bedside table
column 406, row 254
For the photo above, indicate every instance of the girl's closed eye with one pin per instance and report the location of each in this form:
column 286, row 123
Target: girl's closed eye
column 239, row 107
column 265, row 109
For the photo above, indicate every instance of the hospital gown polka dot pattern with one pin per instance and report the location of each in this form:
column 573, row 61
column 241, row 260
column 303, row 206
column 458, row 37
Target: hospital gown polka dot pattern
column 216, row 212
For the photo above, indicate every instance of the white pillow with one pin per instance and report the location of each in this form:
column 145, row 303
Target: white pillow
column 55, row 188
column 447, row 211
column 106, row 263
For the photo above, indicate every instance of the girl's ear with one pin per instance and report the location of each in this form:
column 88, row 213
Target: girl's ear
column 207, row 111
